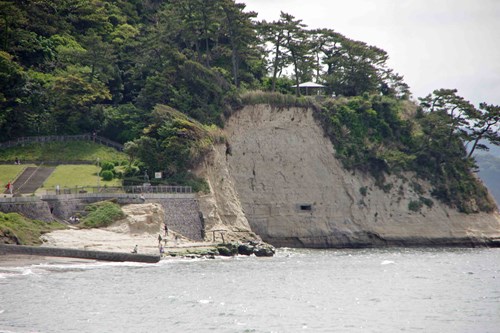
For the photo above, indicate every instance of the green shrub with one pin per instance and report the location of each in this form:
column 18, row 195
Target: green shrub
column 417, row 188
column 387, row 187
column 107, row 166
column 119, row 172
column 102, row 214
column 415, row 205
column 363, row 190
column 426, row 201
column 131, row 171
column 107, row 175
column 198, row 185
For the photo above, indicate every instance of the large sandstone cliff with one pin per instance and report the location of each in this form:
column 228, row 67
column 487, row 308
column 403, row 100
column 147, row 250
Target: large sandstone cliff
column 280, row 178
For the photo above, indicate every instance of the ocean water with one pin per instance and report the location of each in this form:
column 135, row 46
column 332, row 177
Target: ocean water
column 372, row 290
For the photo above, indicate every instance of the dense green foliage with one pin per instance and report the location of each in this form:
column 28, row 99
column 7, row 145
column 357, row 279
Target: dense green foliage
column 161, row 76
column 77, row 66
column 17, row 229
column 172, row 144
column 102, row 214
column 379, row 135
column 366, row 131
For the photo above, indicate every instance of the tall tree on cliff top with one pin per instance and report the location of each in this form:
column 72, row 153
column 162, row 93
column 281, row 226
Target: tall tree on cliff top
column 456, row 110
column 274, row 34
column 290, row 46
column 298, row 45
column 486, row 127
column 355, row 68
column 241, row 34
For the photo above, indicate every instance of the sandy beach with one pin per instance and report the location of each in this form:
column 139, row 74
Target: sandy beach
column 142, row 227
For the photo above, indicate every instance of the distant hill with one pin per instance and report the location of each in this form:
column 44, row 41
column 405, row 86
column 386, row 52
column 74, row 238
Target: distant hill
column 489, row 170
column 494, row 150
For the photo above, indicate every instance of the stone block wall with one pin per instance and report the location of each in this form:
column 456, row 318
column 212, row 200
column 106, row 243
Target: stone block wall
column 183, row 216
column 36, row 210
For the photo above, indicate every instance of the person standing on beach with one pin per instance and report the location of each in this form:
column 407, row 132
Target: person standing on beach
column 159, row 240
column 166, row 230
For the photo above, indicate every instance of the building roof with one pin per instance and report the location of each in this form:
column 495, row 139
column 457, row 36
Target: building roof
column 309, row 84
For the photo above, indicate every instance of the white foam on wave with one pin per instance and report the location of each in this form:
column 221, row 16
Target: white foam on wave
column 204, row 301
column 387, row 262
column 90, row 265
column 10, row 272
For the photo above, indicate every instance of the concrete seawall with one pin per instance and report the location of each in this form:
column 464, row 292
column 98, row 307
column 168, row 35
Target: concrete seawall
column 73, row 253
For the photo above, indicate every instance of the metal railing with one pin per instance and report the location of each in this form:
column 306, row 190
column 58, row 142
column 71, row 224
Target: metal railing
column 54, row 138
column 139, row 189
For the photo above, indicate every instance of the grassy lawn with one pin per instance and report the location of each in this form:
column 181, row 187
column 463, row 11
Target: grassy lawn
column 62, row 151
column 70, row 176
column 8, row 172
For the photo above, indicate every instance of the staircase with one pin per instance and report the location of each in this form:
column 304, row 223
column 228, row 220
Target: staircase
column 31, row 179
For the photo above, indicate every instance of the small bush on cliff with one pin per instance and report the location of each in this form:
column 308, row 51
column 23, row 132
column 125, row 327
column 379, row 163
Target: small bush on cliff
column 102, row 214
column 17, row 229
column 415, row 205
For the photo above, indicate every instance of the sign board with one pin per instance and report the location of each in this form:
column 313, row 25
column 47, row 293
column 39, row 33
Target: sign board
column 157, row 174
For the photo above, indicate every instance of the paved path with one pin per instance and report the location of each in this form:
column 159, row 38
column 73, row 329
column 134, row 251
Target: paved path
column 31, row 179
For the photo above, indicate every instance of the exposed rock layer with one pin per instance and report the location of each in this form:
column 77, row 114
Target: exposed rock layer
column 283, row 173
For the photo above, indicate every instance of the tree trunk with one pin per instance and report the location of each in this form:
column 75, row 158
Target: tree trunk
column 275, row 67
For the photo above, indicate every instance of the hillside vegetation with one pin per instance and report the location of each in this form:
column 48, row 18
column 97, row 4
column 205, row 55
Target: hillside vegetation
column 162, row 77
column 16, row 229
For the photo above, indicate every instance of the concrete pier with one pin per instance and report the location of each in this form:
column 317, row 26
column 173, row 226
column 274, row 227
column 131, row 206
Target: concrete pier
column 74, row 253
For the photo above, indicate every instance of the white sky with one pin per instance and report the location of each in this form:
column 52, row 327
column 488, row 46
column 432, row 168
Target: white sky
column 432, row 43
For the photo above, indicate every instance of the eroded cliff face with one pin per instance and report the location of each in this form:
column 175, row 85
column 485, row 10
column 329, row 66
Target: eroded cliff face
column 282, row 181
column 223, row 215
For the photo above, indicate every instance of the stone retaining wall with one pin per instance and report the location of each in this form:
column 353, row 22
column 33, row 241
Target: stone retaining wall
column 181, row 211
column 36, row 210
column 183, row 216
